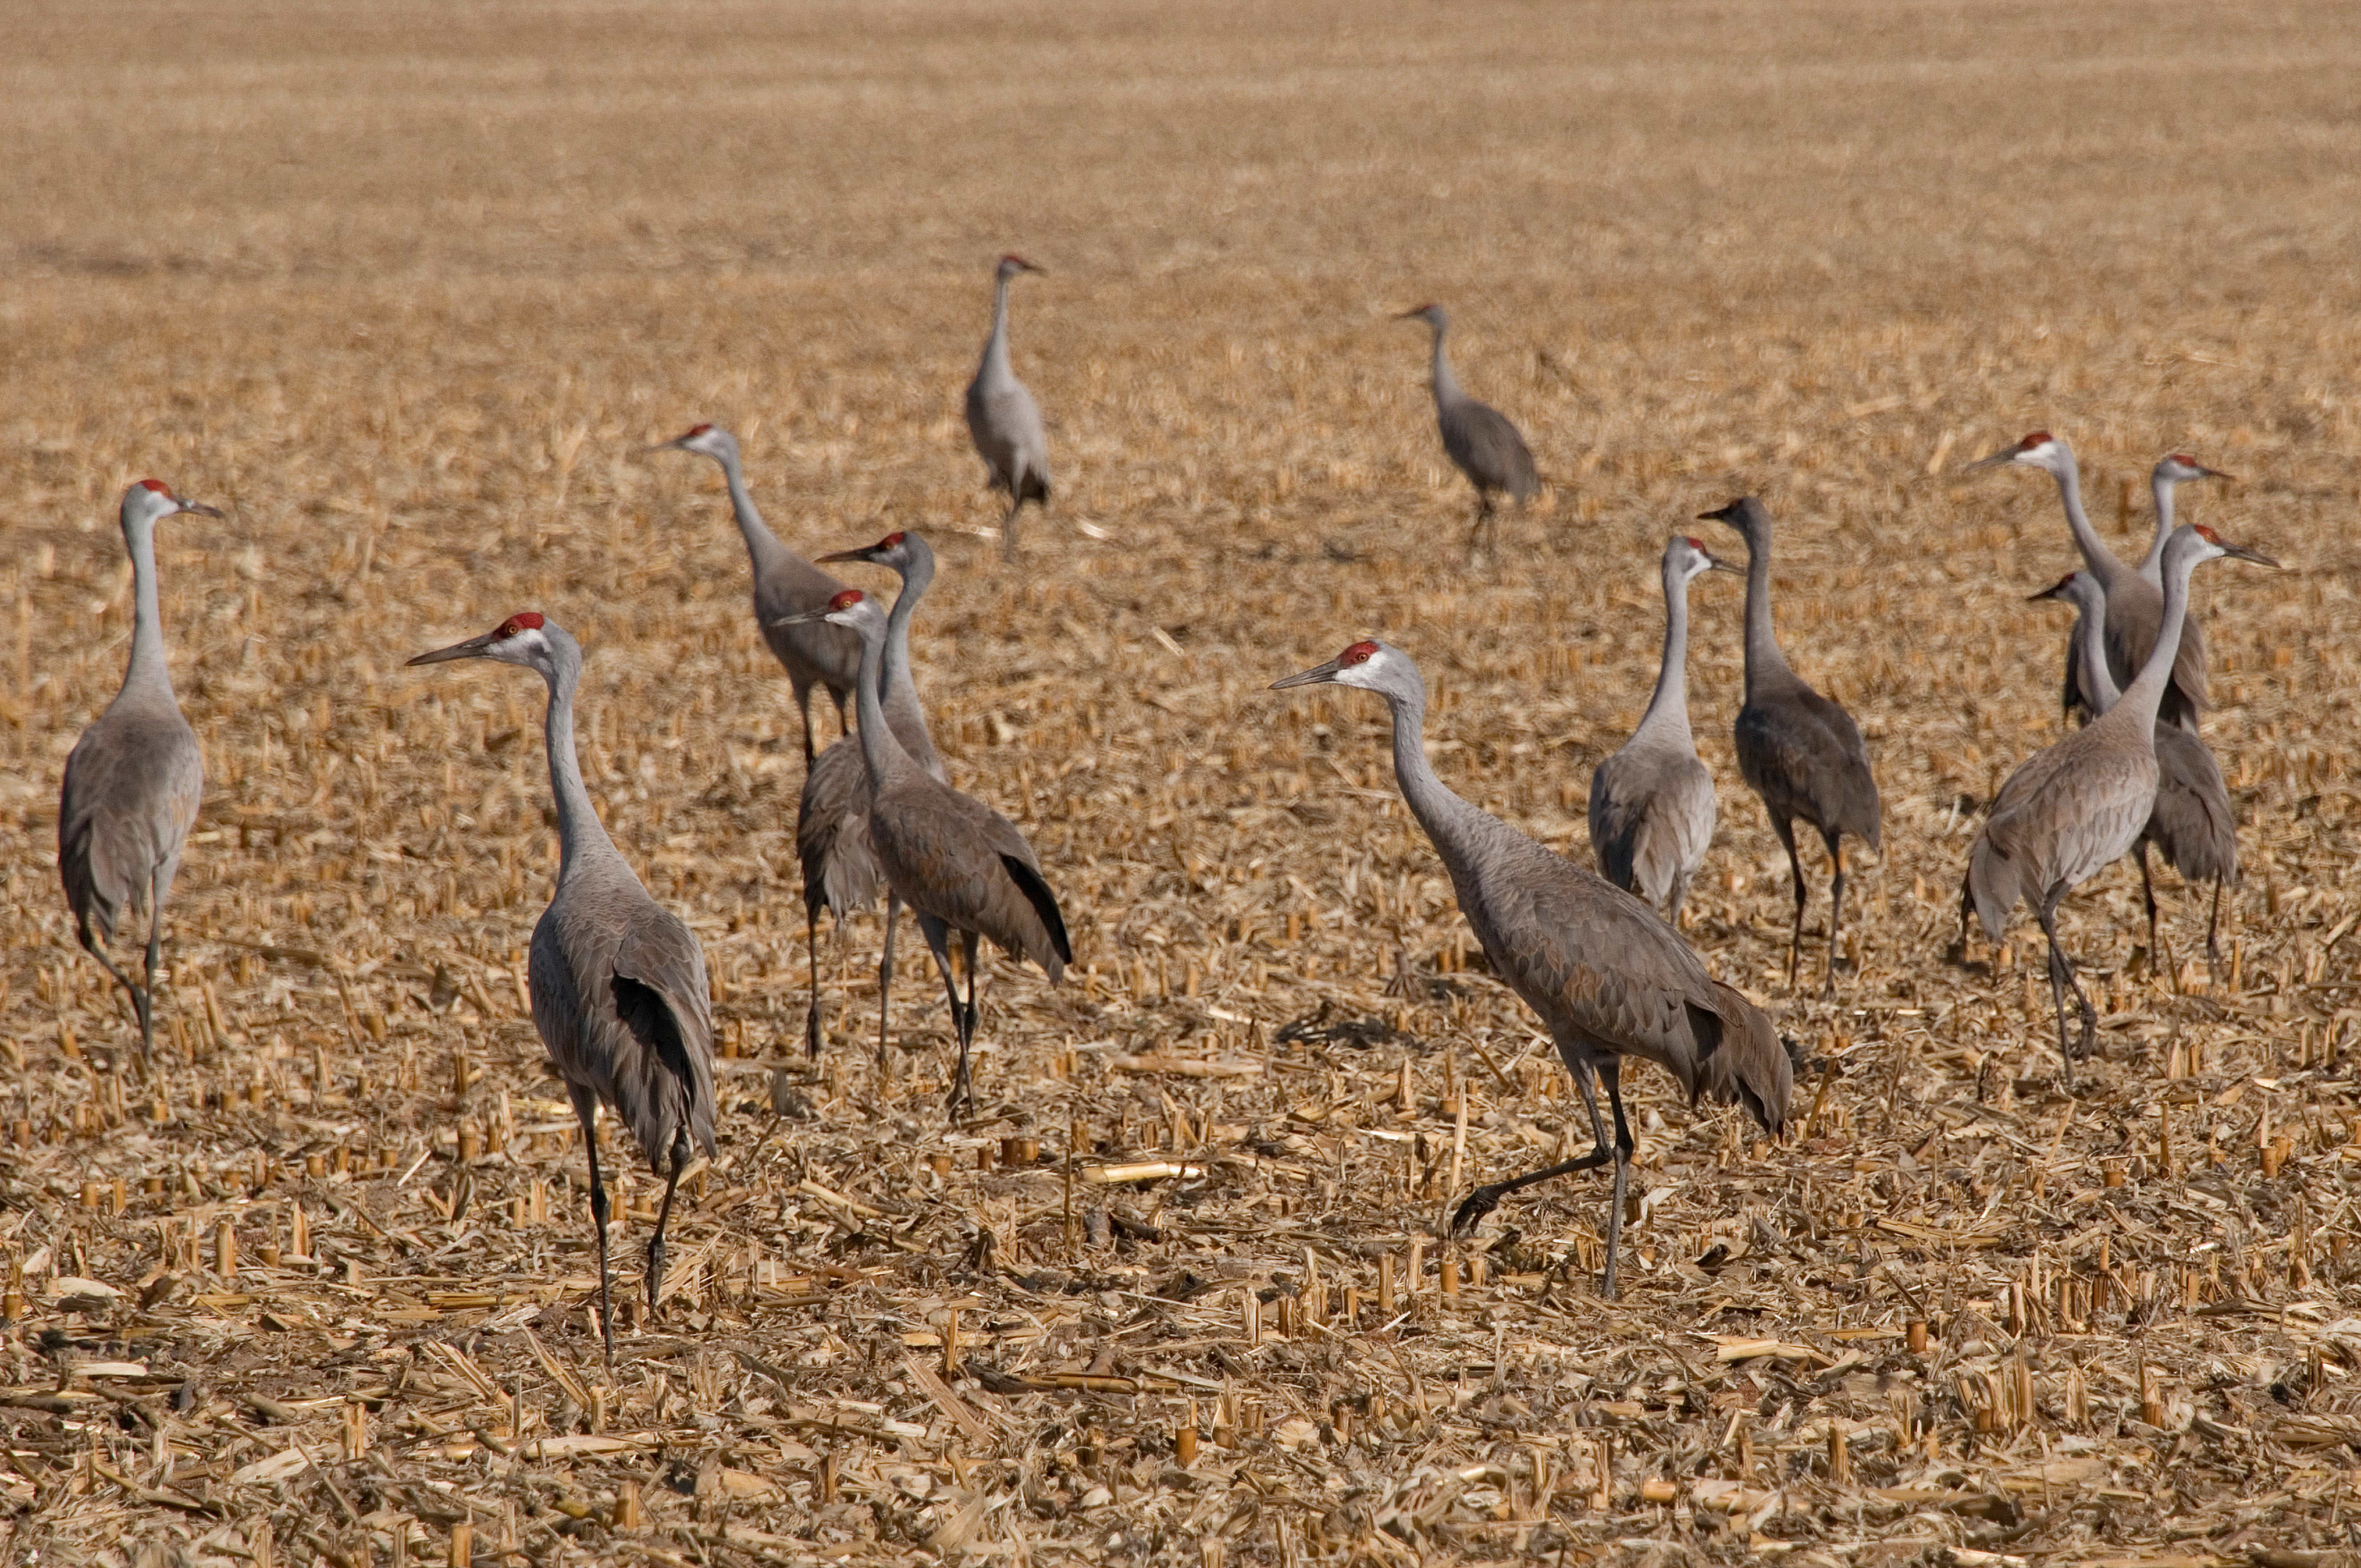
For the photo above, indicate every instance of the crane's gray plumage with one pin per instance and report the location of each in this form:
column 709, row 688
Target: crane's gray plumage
column 1607, row 977
column 2076, row 807
column 2192, row 824
column 133, row 780
column 960, row 865
column 841, row 870
column 1651, row 803
column 785, row 585
column 1478, row 438
column 1802, row 754
column 1003, row 420
column 2135, row 603
column 618, row 982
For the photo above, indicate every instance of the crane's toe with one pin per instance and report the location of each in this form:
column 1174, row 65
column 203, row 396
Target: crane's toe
column 1473, row 1208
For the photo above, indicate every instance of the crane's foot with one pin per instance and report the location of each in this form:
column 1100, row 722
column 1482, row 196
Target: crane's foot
column 811, row 1031
column 963, row 1094
column 1473, row 1206
column 655, row 1272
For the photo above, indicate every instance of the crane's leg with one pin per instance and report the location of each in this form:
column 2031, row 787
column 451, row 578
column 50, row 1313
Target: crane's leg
column 585, row 1110
column 2061, row 979
column 157, row 884
column 1008, row 524
column 811, row 953
column 937, row 937
column 1835, row 842
column 2214, row 928
column 678, row 1158
column 1610, row 1072
column 1476, row 534
column 131, row 986
column 885, row 973
column 1484, row 1200
column 2147, row 896
column 1786, row 831
column 803, row 705
column 963, row 1085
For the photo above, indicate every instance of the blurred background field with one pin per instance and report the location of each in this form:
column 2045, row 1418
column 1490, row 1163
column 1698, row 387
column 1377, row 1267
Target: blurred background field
column 406, row 288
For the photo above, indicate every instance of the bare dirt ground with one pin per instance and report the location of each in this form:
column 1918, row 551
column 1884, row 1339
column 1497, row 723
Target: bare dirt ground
column 405, row 287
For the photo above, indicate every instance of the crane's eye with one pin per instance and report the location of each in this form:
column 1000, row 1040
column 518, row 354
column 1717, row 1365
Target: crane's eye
column 1359, row 653
column 846, row 600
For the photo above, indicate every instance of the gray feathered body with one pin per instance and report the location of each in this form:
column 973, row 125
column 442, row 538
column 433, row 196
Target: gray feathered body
column 1003, row 419
column 2135, row 611
column 133, row 783
column 1803, row 754
column 2192, row 824
column 1652, row 816
column 951, row 857
column 1484, row 446
column 814, row 653
column 620, row 998
column 2063, row 817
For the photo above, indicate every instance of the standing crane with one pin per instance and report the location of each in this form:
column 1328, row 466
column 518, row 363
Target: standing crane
column 617, row 981
column 2172, row 471
column 960, row 865
column 785, row 585
column 1652, row 804
column 1605, row 976
column 1478, row 437
column 1802, row 754
column 135, row 779
column 2135, row 605
column 2191, row 825
column 2071, row 811
column 1003, row 420
column 840, row 872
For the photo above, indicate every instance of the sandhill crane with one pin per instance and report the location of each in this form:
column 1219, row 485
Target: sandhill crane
column 1652, row 804
column 1479, row 438
column 960, row 865
column 1799, row 751
column 785, row 585
column 1003, row 420
column 832, row 816
column 133, row 780
column 2135, row 605
column 2192, row 824
column 2071, row 810
column 1607, row 977
column 617, row 981
column 2172, row 471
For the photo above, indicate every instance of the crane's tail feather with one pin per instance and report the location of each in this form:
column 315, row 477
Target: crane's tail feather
column 1045, row 904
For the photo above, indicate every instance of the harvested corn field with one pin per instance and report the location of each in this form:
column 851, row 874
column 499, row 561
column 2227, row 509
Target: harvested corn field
column 407, row 290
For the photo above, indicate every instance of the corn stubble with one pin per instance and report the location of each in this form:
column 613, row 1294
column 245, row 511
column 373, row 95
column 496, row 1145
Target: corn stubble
column 316, row 1291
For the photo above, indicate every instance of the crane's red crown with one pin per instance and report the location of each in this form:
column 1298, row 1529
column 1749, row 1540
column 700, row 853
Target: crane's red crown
column 1012, row 259
column 2038, row 438
column 846, row 600
column 696, row 430
column 1359, row 653
column 1694, row 543
column 893, row 541
column 2207, row 534
column 521, row 622
column 2186, row 461
column 159, row 486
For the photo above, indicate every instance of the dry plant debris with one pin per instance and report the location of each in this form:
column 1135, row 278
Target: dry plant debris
column 405, row 291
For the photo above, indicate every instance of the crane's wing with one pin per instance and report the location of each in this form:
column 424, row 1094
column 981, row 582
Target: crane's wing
column 1800, row 749
column 133, row 783
column 2191, row 821
column 1746, row 1063
column 841, row 871
column 662, row 1003
column 1656, row 807
column 2079, row 818
column 1488, row 449
column 948, row 855
column 2135, row 616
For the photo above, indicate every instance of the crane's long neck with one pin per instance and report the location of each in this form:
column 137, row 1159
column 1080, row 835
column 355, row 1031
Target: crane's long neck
column 996, row 347
column 2145, row 694
column 880, row 754
column 1446, row 385
column 2096, row 553
column 2151, row 566
column 1669, row 708
column 1447, row 818
column 149, row 669
column 2090, row 650
column 762, row 546
column 902, row 709
column 581, row 836
column 1763, row 659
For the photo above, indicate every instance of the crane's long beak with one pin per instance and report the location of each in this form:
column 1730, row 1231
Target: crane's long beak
column 1717, row 563
column 671, row 445
column 2055, row 590
column 2206, row 473
column 1314, row 676
column 472, row 648
column 807, row 617
column 201, row 509
column 2243, row 554
column 2005, row 455
column 1728, row 515
column 866, row 552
